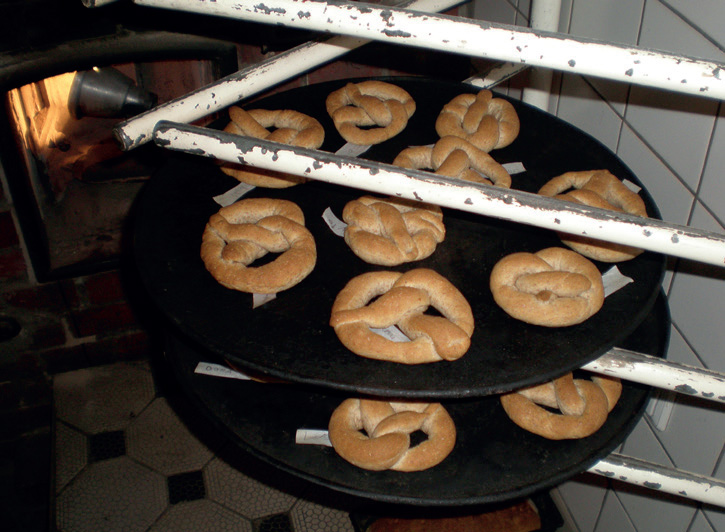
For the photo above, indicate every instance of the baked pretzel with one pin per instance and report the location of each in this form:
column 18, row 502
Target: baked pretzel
column 583, row 406
column 404, row 297
column 554, row 287
column 486, row 122
column 596, row 188
column 247, row 230
column 392, row 231
column 388, row 426
column 356, row 106
column 455, row 157
column 288, row 127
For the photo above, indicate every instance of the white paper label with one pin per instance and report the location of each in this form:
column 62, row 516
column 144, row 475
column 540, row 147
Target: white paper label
column 391, row 333
column 260, row 299
column 514, row 168
column 233, row 194
column 613, row 280
column 216, row 370
column 312, row 437
column 336, row 225
column 353, row 150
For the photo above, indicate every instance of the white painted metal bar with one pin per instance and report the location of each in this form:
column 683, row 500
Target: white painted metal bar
column 544, row 16
column 563, row 52
column 507, row 204
column 496, row 75
column 248, row 82
column 660, row 373
column 660, row 478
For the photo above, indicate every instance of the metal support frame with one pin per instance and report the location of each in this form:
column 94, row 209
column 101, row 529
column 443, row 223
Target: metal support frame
column 521, row 48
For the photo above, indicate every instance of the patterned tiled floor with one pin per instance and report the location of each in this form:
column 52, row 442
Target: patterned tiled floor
column 126, row 462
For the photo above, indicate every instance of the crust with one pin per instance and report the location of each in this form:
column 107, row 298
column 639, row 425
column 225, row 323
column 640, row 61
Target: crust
column 387, row 426
column 247, row 230
column 596, row 188
column 403, row 300
column 370, row 103
column 486, row 122
column 554, row 287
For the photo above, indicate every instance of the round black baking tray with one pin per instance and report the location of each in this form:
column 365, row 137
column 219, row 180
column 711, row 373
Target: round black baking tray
column 289, row 337
column 493, row 459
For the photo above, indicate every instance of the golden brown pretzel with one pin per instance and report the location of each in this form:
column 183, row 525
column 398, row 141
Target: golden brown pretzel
column 289, row 127
column 596, row 188
column 486, row 122
column 247, row 230
column 583, row 406
column 554, row 287
column 403, row 300
column 455, row 157
column 388, row 426
column 356, row 106
column 392, row 231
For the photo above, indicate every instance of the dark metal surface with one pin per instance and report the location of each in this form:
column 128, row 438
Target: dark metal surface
column 290, row 338
column 493, row 460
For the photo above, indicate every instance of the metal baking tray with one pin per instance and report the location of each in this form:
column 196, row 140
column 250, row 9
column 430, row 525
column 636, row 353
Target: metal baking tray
column 290, row 338
column 493, row 459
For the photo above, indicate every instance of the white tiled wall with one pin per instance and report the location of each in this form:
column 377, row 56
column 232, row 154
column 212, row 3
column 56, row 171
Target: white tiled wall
column 675, row 144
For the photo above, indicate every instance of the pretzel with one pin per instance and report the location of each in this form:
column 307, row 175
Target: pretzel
column 403, row 300
column 247, row 230
column 455, row 157
column 554, row 287
column 388, row 426
column 392, row 231
column 596, row 188
column 486, row 122
column 583, row 406
column 290, row 127
column 356, row 106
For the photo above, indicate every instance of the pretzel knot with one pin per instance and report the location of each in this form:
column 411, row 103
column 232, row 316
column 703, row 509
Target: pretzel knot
column 356, row 106
column 393, row 231
column 583, row 406
column 596, row 188
column 486, row 122
column 455, row 157
column 385, row 443
column 554, row 287
column 403, row 300
column 247, row 230
column 288, row 127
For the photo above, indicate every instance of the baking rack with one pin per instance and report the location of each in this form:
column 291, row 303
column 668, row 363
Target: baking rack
column 416, row 23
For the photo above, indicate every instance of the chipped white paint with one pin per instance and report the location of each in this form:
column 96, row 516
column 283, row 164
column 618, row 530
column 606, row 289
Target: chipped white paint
column 660, row 373
column 660, row 478
column 507, row 204
column 496, row 75
column 248, row 82
column 460, row 35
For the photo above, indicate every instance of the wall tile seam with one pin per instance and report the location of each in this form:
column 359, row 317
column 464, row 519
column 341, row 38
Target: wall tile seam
column 694, row 26
column 681, row 332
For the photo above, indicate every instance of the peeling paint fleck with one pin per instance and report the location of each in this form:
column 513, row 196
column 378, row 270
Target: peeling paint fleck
column 557, row 221
column 686, row 389
column 683, row 81
column 623, row 478
column 468, row 201
column 417, row 196
column 652, row 485
column 304, row 14
column 629, row 72
column 708, row 395
column 604, row 473
column 571, row 63
column 675, row 239
column 716, row 72
column 269, row 10
column 317, row 165
column 646, row 232
column 396, row 33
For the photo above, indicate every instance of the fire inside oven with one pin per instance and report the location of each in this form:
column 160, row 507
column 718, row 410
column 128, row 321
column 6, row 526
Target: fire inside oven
column 81, row 182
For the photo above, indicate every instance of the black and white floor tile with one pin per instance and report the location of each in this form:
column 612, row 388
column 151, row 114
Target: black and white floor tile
column 125, row 461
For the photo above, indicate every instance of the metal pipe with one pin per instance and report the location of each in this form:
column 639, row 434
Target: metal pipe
column 545, row 16
column 570, row 54
column 506, row 204
column 660, row 478
column 248, row 82
column 660, row 373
